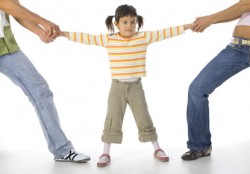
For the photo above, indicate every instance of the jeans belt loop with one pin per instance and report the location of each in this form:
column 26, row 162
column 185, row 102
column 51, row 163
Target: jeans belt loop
column 239, row 41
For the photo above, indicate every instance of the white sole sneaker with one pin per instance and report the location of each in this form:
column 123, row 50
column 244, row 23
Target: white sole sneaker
column 74, row 156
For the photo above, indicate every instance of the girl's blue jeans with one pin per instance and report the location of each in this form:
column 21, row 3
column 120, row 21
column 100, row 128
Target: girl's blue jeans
column 230, row 61
column 20, row 70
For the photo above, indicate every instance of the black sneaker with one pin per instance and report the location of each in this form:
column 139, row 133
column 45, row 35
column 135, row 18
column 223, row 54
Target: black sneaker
column 195, row 154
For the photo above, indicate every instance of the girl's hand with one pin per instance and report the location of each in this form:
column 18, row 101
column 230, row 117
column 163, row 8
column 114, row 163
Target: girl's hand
column 64, row 34
column 187, row 26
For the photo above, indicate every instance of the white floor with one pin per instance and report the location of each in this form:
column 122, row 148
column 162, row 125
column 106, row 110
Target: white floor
column 228, row 159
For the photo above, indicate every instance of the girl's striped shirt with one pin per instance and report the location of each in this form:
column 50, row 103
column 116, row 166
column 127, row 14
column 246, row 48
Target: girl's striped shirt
column 127, row 56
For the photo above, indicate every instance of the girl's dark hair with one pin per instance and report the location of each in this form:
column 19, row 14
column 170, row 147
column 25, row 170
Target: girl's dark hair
column 123, row 11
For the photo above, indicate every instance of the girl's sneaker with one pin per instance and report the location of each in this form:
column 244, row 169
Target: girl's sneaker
column 104, row 160
column 160, row 155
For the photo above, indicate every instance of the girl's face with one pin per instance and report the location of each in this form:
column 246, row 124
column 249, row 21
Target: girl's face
column 126, row 26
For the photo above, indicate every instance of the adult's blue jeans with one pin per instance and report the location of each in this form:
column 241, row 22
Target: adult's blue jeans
column 20, row 70
column 230, row 61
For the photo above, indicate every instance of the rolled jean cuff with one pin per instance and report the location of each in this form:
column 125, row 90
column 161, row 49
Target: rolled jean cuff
column 199, row 148
column 112, row 137
column 148, row 136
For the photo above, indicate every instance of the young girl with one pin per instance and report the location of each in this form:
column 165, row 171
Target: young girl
column 127, row 53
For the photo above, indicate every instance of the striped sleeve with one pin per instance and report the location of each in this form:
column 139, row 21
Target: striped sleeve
column 158, row 35
column 89, row 39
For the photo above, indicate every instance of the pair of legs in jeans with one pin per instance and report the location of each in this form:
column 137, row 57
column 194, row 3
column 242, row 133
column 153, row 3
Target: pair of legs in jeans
column 230, row 61
column 20, row 70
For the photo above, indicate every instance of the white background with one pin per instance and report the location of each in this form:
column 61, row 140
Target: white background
column 79, row 76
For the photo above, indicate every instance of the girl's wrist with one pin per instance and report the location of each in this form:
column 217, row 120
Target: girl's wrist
column 187, row 26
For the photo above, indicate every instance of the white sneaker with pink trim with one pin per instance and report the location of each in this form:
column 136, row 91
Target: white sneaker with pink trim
column 104, row 160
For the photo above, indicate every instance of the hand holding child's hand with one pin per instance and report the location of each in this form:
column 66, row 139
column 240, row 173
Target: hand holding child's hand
column 43, row 36
column 52, row 30
column 201, row 23
column 47, row 36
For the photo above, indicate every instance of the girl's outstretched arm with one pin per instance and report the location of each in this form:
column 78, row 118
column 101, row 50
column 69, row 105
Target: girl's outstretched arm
column 64, row 34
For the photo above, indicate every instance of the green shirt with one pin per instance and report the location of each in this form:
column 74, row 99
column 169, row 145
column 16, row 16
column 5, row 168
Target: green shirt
column 8, row 44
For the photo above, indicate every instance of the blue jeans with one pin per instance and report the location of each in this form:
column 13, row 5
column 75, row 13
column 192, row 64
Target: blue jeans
column 20, row 70
column 230, row 61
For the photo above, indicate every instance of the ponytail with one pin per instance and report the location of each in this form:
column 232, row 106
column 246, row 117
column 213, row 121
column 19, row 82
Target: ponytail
column 109, row 23
column 140, row 21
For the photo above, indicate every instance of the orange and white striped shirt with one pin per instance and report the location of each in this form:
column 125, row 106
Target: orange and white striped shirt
column 127, row 56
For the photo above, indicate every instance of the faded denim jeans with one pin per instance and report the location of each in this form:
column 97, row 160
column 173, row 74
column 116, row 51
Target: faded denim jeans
column 20, row 70
column 230, row 61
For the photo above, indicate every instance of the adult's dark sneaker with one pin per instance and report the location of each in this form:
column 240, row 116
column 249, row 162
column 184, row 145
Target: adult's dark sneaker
column 195, row 154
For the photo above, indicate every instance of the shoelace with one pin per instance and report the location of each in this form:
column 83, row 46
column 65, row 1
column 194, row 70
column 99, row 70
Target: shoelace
column 195, row 153
column 71, row 155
